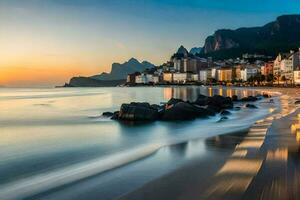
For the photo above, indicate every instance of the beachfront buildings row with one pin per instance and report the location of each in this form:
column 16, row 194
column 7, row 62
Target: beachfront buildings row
column 287, row 68
column 184, row 68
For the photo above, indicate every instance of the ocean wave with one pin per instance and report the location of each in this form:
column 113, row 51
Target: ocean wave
column 43, row 182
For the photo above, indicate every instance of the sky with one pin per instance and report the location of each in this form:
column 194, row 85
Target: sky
column 46, row 42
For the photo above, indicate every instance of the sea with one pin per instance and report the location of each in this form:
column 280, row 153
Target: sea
column 55, row 143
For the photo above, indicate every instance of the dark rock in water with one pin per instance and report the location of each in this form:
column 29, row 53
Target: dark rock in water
column 297, row 102
column 220, row 102
column 235, row 98
column 249, row 98
column 174, row 101
column 177, row 109
column 210, row 111
column 142, row 104
column 225, row 112
column 213, row 108
column 138, row 112
column 115, row 115
column 251, row 106
column 201, row 100
column 156, row 107
column 107, row 114
column 184, row 111
column 222, row 119
column 237, row 108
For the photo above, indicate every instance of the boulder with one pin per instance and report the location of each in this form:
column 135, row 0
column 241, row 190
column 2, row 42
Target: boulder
column 174, row 101
column 297, row 102
column 138, row 112
column 184, row 111
column 223, row 119
column 225, row 112
column 115, row 115
column 249, row 98
column 235, row 98
column 220, row 102
column 251, row 106
column 237, row 108
column 201, row 100
column 107, row 114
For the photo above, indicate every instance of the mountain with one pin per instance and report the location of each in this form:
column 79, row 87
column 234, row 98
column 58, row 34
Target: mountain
column 182, row 50
column 270, row 39
column 195, row 50
column 90, row 82
column 180, row 53
column 120, row 71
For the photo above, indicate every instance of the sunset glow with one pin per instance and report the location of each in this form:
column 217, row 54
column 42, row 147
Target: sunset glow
column 45, row 43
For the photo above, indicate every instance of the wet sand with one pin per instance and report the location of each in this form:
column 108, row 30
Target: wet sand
column 264, row 164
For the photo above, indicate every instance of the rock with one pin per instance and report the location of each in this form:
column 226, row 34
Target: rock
column 138, row 112
column 225, row 112
column 220, row 102
column 251, row 106
column 210, row 111
column 213, row 108
column 201, row 100
column 249, row 98
column 235, row 98
column 107, row 114
column 184, row 111
column 115, row 115
column 265, row 95
column 222, row 119
column 174, row 101
column 237, row 108
column 297, row 102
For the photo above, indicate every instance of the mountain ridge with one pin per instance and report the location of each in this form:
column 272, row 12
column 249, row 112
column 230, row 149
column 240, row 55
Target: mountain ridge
column 120, row 71
column 282, row 34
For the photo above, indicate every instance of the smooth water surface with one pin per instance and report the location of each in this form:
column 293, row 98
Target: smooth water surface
column 50, row 133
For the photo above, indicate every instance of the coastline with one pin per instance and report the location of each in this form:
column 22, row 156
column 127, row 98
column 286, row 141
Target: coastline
column 217, row 151
column 225, row 178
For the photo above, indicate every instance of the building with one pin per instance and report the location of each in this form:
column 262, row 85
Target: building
column 297, row 77
column 225, row 74
column 195, row 77
column 267, row 69
column 249, row 71
column 131, row 78
column 179, row 77
column 236, row 72
column 168, row 77
column 141, row 79
column 205, row 75
column 285, row 65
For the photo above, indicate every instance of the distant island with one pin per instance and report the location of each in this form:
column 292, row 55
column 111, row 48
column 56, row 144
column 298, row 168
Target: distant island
column 116, row 77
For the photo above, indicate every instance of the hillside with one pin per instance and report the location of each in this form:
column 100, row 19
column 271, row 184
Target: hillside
column 270, row 39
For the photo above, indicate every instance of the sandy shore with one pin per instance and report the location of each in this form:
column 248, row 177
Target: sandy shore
column 261, row 164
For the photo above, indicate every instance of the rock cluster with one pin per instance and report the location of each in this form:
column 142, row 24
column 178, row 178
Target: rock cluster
column 177, row 109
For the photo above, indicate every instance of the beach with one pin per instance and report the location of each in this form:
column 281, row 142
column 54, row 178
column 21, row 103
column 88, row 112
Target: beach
column 263, row 165
column 161, row 160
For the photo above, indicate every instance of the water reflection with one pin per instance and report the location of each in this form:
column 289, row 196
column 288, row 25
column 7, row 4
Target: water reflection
column 235, row 176
column 191, row 93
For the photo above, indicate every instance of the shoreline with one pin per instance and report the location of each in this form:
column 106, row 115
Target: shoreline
column 214, row 154
column 203, row 180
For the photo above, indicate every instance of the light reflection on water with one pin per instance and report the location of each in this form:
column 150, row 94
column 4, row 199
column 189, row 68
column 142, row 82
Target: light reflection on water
column 47, row 129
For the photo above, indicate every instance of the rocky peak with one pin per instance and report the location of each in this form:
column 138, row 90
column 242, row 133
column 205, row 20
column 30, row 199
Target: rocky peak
column 182, row 50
